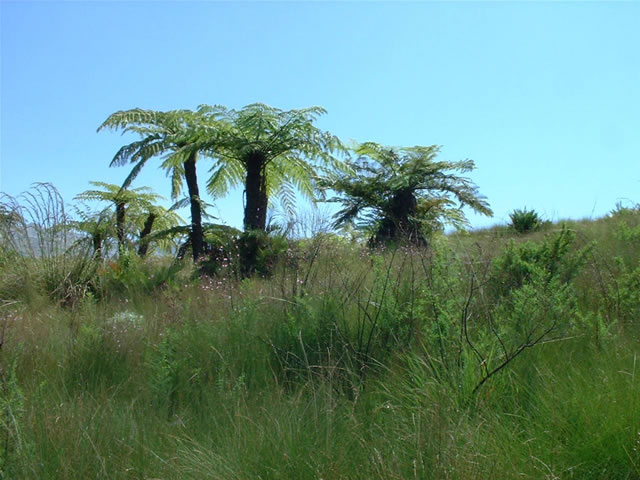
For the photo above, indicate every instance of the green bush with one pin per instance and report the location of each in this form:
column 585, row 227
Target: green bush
column 554, row 257
column 630, row 211
column 259, row 252
column 625, row 294
column 525, row 221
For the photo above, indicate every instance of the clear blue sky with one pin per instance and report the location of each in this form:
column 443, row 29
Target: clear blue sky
column 544, row 97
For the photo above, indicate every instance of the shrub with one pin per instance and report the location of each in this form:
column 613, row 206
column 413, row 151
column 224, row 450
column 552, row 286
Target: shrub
column 625, row 211
column 259, row 252
column 525, row 221
column 478, row 316
column 551, row 258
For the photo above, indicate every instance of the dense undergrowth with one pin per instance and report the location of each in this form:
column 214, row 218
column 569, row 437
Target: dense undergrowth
column 485, row 355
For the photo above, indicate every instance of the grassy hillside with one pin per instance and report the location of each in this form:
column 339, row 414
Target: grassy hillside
column 487, row 355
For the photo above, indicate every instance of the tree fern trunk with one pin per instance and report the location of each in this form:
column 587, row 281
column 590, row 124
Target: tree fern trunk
column 398, row 224
column 120, row 218
column 143, row 247
column 255, row 210
column 197, row 236
column 97, row 246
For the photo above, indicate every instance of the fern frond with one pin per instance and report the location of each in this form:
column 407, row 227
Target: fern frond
column 224, row 177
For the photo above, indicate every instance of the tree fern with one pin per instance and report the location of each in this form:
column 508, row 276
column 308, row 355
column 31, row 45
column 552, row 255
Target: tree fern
column 175, row 136
column 403, row 193
column 279, row 147
column 138, row 210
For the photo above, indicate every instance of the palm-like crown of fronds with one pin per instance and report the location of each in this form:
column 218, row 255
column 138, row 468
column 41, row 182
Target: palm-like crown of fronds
column 291, row 146
column 379, row 174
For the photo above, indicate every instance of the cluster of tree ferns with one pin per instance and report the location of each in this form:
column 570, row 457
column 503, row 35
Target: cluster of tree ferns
column 396, row 194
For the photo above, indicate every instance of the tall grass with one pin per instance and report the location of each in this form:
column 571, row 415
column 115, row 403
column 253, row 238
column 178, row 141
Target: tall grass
column 39, row 253
column 482, row 357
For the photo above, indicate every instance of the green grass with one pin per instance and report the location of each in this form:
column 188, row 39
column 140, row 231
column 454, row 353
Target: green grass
column 341, row 365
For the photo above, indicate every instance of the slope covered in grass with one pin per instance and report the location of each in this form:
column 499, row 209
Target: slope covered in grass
column 486, row 355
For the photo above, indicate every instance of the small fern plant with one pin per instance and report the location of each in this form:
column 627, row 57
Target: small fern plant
column 525, row 221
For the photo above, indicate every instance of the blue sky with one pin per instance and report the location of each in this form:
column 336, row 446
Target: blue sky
column 544, row 97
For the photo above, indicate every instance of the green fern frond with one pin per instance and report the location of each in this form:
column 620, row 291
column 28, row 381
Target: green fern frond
column 177, row 174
